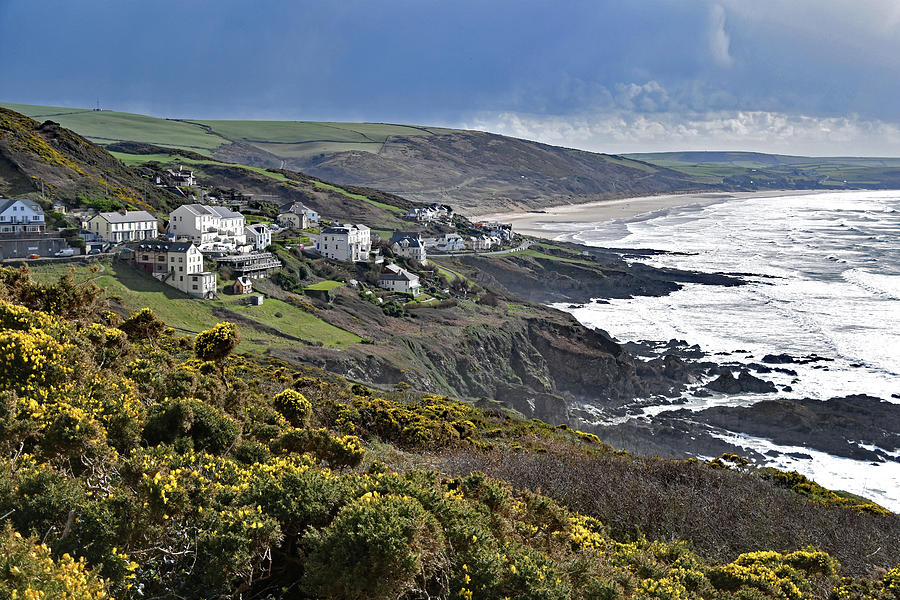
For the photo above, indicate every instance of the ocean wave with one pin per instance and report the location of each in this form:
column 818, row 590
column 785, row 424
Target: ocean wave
column 887, row 286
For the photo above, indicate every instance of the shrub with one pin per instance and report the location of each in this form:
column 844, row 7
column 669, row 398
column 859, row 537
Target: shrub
column 378, row 547
column 27, row 570
column 293, row 406
column 217, row 343
column 337, row 451
column 190, row 424
column 143, row 325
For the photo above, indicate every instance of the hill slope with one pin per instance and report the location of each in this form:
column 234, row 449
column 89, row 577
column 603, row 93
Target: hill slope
column 475, row 171
column 754, row 170
column 69, row 166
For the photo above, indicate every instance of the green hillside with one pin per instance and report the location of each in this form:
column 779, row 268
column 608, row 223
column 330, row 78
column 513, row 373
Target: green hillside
column 283, row 139
column 136, row 462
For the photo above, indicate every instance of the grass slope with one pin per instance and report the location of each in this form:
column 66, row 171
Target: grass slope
column 135, row 290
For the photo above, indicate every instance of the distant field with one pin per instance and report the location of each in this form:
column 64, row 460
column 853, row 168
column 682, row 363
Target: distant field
column 284, row 139
column 836, row 172
column 106, row 127
column 190, row 315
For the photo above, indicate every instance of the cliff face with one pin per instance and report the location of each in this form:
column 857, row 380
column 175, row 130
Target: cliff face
column 545, row 365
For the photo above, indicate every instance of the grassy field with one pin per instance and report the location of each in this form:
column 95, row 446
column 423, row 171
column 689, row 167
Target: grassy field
column 328, row 284
column 284, row 139
column 187, row 314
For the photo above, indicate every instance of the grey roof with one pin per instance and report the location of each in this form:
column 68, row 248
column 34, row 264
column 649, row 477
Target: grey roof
column 217, row 211
column 161, row 246
column 345, row 228
column 129, row 217
column 403, row 275
column 400, row 235
column 5, row 203
column 294, row 207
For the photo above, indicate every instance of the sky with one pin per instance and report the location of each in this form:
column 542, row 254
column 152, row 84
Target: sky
column 814, row 77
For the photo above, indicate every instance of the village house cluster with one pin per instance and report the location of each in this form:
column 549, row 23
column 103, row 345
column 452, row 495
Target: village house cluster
column 199, row 233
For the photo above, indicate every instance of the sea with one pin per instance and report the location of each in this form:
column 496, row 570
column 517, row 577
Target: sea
column 823, row 273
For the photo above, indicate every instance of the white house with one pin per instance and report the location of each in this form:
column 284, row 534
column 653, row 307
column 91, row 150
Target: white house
column 259, row 236
column 346, row 242
column 293, row 220
column 181, row 178
column 429, row 213
column 450, row 242
column 179, row 264
column 400, row 281
column 208, row 226
column 410, row 247
column 123, row 226
column 17, row 216
column 297, row 215
column 481, row 242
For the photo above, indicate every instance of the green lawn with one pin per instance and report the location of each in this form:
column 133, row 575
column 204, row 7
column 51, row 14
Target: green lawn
column 295, row 322
column 328, row 284
column 191, row 315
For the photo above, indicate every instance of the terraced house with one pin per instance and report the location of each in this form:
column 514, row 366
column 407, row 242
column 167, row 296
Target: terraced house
column 179, row 264
column 123, row 226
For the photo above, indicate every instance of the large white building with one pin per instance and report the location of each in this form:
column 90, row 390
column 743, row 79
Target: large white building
column 210, row 227
column 20, row 216
column 179, row 264
column 122, row 226
column 350, row 243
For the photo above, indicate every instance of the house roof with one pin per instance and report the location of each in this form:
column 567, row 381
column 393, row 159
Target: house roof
column 221, row 212
column 401, row 235
column 294, row 207
column 402, row 275
column 161, row 246
column 5, row 203
column 258, row 228
column 131, row 216
column 345, row 228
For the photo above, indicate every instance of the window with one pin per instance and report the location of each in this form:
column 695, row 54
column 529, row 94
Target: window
column 194, row 287
column 181, row 269
column 181, row 278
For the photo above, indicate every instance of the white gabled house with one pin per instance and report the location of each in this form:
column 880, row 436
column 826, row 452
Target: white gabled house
column 349, row 243
column 296, row 215
column 208, row 226
column 259, row 236
column 21, row 215
column 400, row 280
column 409, row 246
column 123, row 226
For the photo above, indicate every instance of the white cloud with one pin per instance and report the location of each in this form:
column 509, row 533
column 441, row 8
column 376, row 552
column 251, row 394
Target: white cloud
column 719, row 41
column 759, row 131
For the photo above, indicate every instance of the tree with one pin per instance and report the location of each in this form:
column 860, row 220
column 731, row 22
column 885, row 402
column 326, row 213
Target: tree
column 217, row 344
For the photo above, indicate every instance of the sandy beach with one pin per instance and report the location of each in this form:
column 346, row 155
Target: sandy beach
column 552, row 222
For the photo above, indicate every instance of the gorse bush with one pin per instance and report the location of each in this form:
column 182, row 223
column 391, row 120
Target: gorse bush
column 130, row 468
